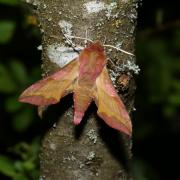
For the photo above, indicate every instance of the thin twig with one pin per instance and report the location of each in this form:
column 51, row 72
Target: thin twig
column 76, row 37
column 105, row 45
column 119, row 49
column 68, row 38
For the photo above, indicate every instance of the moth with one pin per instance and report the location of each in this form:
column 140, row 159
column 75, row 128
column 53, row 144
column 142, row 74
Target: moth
column 88, row 79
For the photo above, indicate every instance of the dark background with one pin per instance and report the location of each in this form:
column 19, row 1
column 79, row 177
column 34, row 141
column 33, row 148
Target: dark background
column 156, row 119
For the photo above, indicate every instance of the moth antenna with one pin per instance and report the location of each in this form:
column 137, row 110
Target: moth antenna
column 69, row 40
column 119, row 49
column 70, row 43
column 76, row 37
column 67, row 36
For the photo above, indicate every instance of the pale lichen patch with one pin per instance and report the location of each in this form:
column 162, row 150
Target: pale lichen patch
column 97, row 6
column 91, row 155
column 128, row 65
column 66, row 27
column 42, row 178
column 33, row 2
column 52, row 146
column 131, row 66
column 113, row 76
column 94, row 6
column 54, row 125
column 92, row 135
column 60, row 54
column 39, row 47
column 109, row 10
column 69, row 158
column 119, row 44
column 125, row 1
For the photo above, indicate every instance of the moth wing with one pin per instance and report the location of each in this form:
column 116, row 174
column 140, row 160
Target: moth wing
column 52, row 88
column 82, row 99
column 110, row 107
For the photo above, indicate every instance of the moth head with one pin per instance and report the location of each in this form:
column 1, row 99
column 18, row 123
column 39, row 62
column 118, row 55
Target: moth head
column 96, row 47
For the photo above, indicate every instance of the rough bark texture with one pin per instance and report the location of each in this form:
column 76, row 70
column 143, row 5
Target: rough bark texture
column 91, row 150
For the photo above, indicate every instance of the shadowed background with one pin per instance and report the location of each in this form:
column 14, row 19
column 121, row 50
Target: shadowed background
column 156, row 119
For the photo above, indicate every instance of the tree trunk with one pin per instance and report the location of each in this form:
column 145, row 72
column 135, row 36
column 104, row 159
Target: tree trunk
column 91, row 150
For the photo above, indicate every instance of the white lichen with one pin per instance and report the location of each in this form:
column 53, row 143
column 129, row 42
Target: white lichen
column 49, row 19
column 33, row 2
column 92, row 135
column 125, row 1
column 73, row 158
column 44, row 6
column 28, row 1
column 97, row 6
column 94, row 6
column 91, row 155
column 54, row 125
column 130, row 65
column 39, row 48
column 65, row 159
column 52, row 146
column 81, row 165
column 109, row 10
column 69, row 158
column 41, row 30
column 113, row 76
column 119, row 44
column 60, row 54
column 66, row 27
column 42, row 178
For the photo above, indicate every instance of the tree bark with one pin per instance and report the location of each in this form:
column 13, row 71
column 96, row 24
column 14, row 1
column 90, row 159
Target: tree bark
column 91, row 150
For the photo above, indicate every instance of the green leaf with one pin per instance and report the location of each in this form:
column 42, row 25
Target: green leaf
column 18, row 165
column 7, row 166
column 35, row 74
column 12, row 104
column 20, row 177
column 159, row 17
column 23, row 120
column 176, row 85
column 10, row 2
column 142, row 171
column 169, row 110
column 34, row 174
column 28, row 165
column 6, row 31
column 35, row 146
column 174, row 99
column 139, row 170
column 7, row 84
column 176, row 39
column 22, row 150
column 18, row 71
